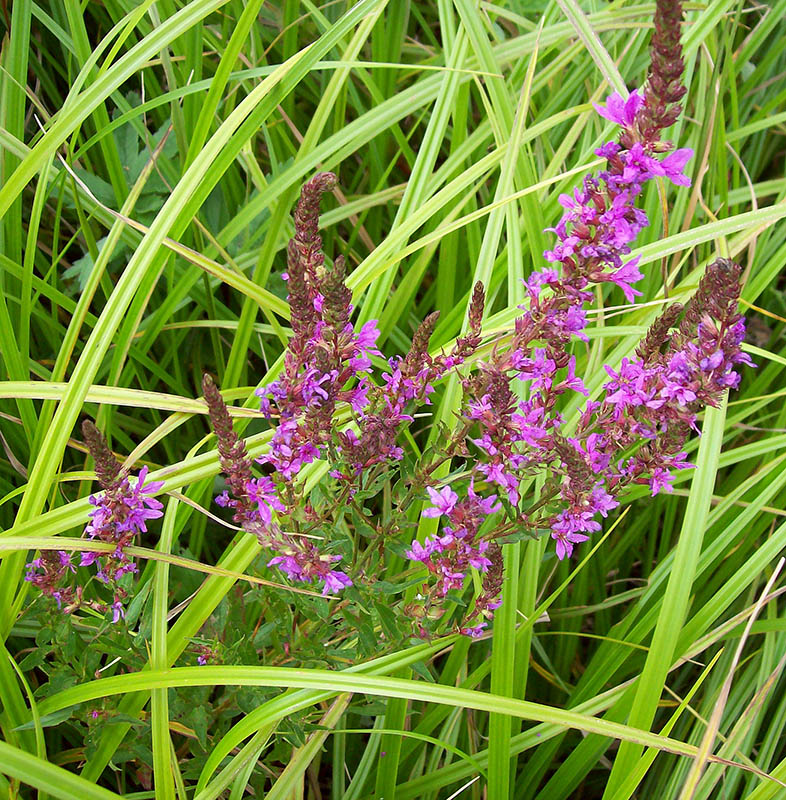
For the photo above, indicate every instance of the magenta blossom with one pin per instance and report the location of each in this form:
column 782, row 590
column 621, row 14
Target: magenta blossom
column 565, row 541
column 118, row 612
column 444, row 501
column 619, row 110
column 673, row 166
column 624, row 277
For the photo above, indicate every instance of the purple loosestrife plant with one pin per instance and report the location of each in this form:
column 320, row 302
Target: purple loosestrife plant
column 330, row 404
column 634, row 435
column 120, row 512
column 637, row 432
column 327, row 366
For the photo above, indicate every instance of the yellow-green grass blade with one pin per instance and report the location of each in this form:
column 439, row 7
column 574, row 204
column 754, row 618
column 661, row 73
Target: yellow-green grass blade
column 327, row 680
column 593, row 45
column 675, row 602
column 46, row 777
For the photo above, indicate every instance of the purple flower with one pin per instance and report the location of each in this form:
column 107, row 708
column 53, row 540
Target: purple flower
column 640, row 166
column 486, row 443
column 545, row 277
column 574, row 321
column 118, row 612
column 571, row 381
column 486, row 505
column 125, row 566
column 358, row 397
column 124, row 508
column 120, row 512
column 335, row 581
column 444, row 501
column 624, row 277
column 621, row 111
column 608, row 150
column 478, row 408
column 539, row 370
column 530, row 424
column 312, row 387
column 674, row 164
column 594, row 450
column 450, row 579
column 565, row 541
column 661, row 481
column 417, row 552
column 711, row 362
column 570, row 521
column 150, row 488
column 496, row 473
column 475, row 631
column 366, row 339
column 289, row 566
column 661, row 477
column 601, row 501
column 476, row 558
column 262, row 491
column 629, row 387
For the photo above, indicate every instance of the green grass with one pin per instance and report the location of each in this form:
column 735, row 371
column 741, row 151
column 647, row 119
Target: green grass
column 151, row 156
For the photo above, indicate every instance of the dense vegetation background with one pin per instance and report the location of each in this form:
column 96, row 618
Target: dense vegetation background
column 151, row 157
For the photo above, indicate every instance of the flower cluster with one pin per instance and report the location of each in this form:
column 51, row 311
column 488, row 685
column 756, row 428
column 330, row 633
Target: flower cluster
column 120, row 512
column 327, row 361
column 48, row 573
column 254, row 501
column 327, row 365
column 636, row 433
column 520, row 438
column 450, row 554
column 651, row 401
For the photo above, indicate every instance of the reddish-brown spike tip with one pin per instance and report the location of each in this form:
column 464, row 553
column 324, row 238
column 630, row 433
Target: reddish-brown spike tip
column 107, row 468
column 664, row 81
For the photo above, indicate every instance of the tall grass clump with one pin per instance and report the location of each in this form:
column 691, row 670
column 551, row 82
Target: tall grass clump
column 392, row 400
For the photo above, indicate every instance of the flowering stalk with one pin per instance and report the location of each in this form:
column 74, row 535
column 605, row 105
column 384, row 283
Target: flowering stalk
column 120, row 512
column 327, row 364
column 637, row 432
column 254, row 501
column 519, row 439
